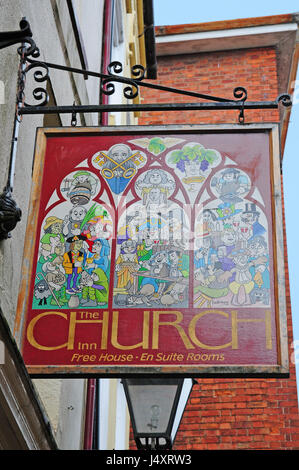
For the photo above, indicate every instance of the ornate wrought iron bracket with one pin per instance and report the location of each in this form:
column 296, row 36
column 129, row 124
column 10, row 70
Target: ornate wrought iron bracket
column 23, row 35
column 10, row 214
column 131, row 91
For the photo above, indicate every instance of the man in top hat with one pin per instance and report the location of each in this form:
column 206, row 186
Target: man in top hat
column 251, row 217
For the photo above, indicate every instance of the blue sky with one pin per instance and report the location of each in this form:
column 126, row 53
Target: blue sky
column 169, row 12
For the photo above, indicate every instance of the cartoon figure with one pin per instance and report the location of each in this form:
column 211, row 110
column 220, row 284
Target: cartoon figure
column 72, row 223
column 193, row 173
column 42, row 291
column 243, row 283
column 231, row 185
column 118, row 166
column 73, row 261
column 259, row 268
column 118, row 162
column 81, row 188
column 54, row 274
column 174, row 257
column 96, row 223
column 56, row 280
column 98, row 229
column 159, row 264
column 155, row 197
column 174, row 294
column 157, row 270
column 227, row 214
column 143, row 296
column 226, row 247
column 52, row 239
column 206, row 253
column 211, row 283
column 126, row 263
column 99, row 257
column 94, row 288
column 250, row 217
column 155, row 186
column 207, row 222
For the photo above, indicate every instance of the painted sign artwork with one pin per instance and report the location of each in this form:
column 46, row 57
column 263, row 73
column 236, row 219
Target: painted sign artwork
column 153, row 250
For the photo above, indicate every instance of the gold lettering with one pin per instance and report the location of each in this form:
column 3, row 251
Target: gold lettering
column 236, row 321
column 192, row 327
column 72, row 329
column 175, row 323
column 30, row 332
column 145, row 333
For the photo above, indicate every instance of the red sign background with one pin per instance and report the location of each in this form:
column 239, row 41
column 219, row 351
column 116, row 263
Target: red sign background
column 215, row 304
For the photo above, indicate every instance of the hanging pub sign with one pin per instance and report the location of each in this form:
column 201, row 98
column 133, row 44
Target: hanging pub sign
column 154, row 250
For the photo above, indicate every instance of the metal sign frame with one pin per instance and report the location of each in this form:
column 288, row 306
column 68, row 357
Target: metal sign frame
column 88, row 367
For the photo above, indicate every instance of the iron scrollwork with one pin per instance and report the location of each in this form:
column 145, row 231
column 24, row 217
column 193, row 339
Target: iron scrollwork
column 41, row 75
column 285, row 99
column 24, row 35
column 115, row 68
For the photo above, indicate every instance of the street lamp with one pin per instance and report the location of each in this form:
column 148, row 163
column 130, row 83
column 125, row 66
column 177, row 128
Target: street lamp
column 156, row 407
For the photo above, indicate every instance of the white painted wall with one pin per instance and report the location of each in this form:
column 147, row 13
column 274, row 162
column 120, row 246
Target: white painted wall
column 113, row 416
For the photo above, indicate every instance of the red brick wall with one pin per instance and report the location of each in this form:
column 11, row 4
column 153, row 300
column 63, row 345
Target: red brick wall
column 230, row 413
column 216, row 74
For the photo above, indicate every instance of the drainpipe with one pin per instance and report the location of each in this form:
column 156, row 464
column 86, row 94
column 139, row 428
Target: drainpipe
column 89, row 414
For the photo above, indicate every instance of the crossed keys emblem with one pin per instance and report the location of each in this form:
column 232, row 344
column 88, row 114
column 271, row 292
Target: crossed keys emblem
column 124, row 171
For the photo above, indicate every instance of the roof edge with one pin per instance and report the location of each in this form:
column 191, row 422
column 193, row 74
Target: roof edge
column 226, row 24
